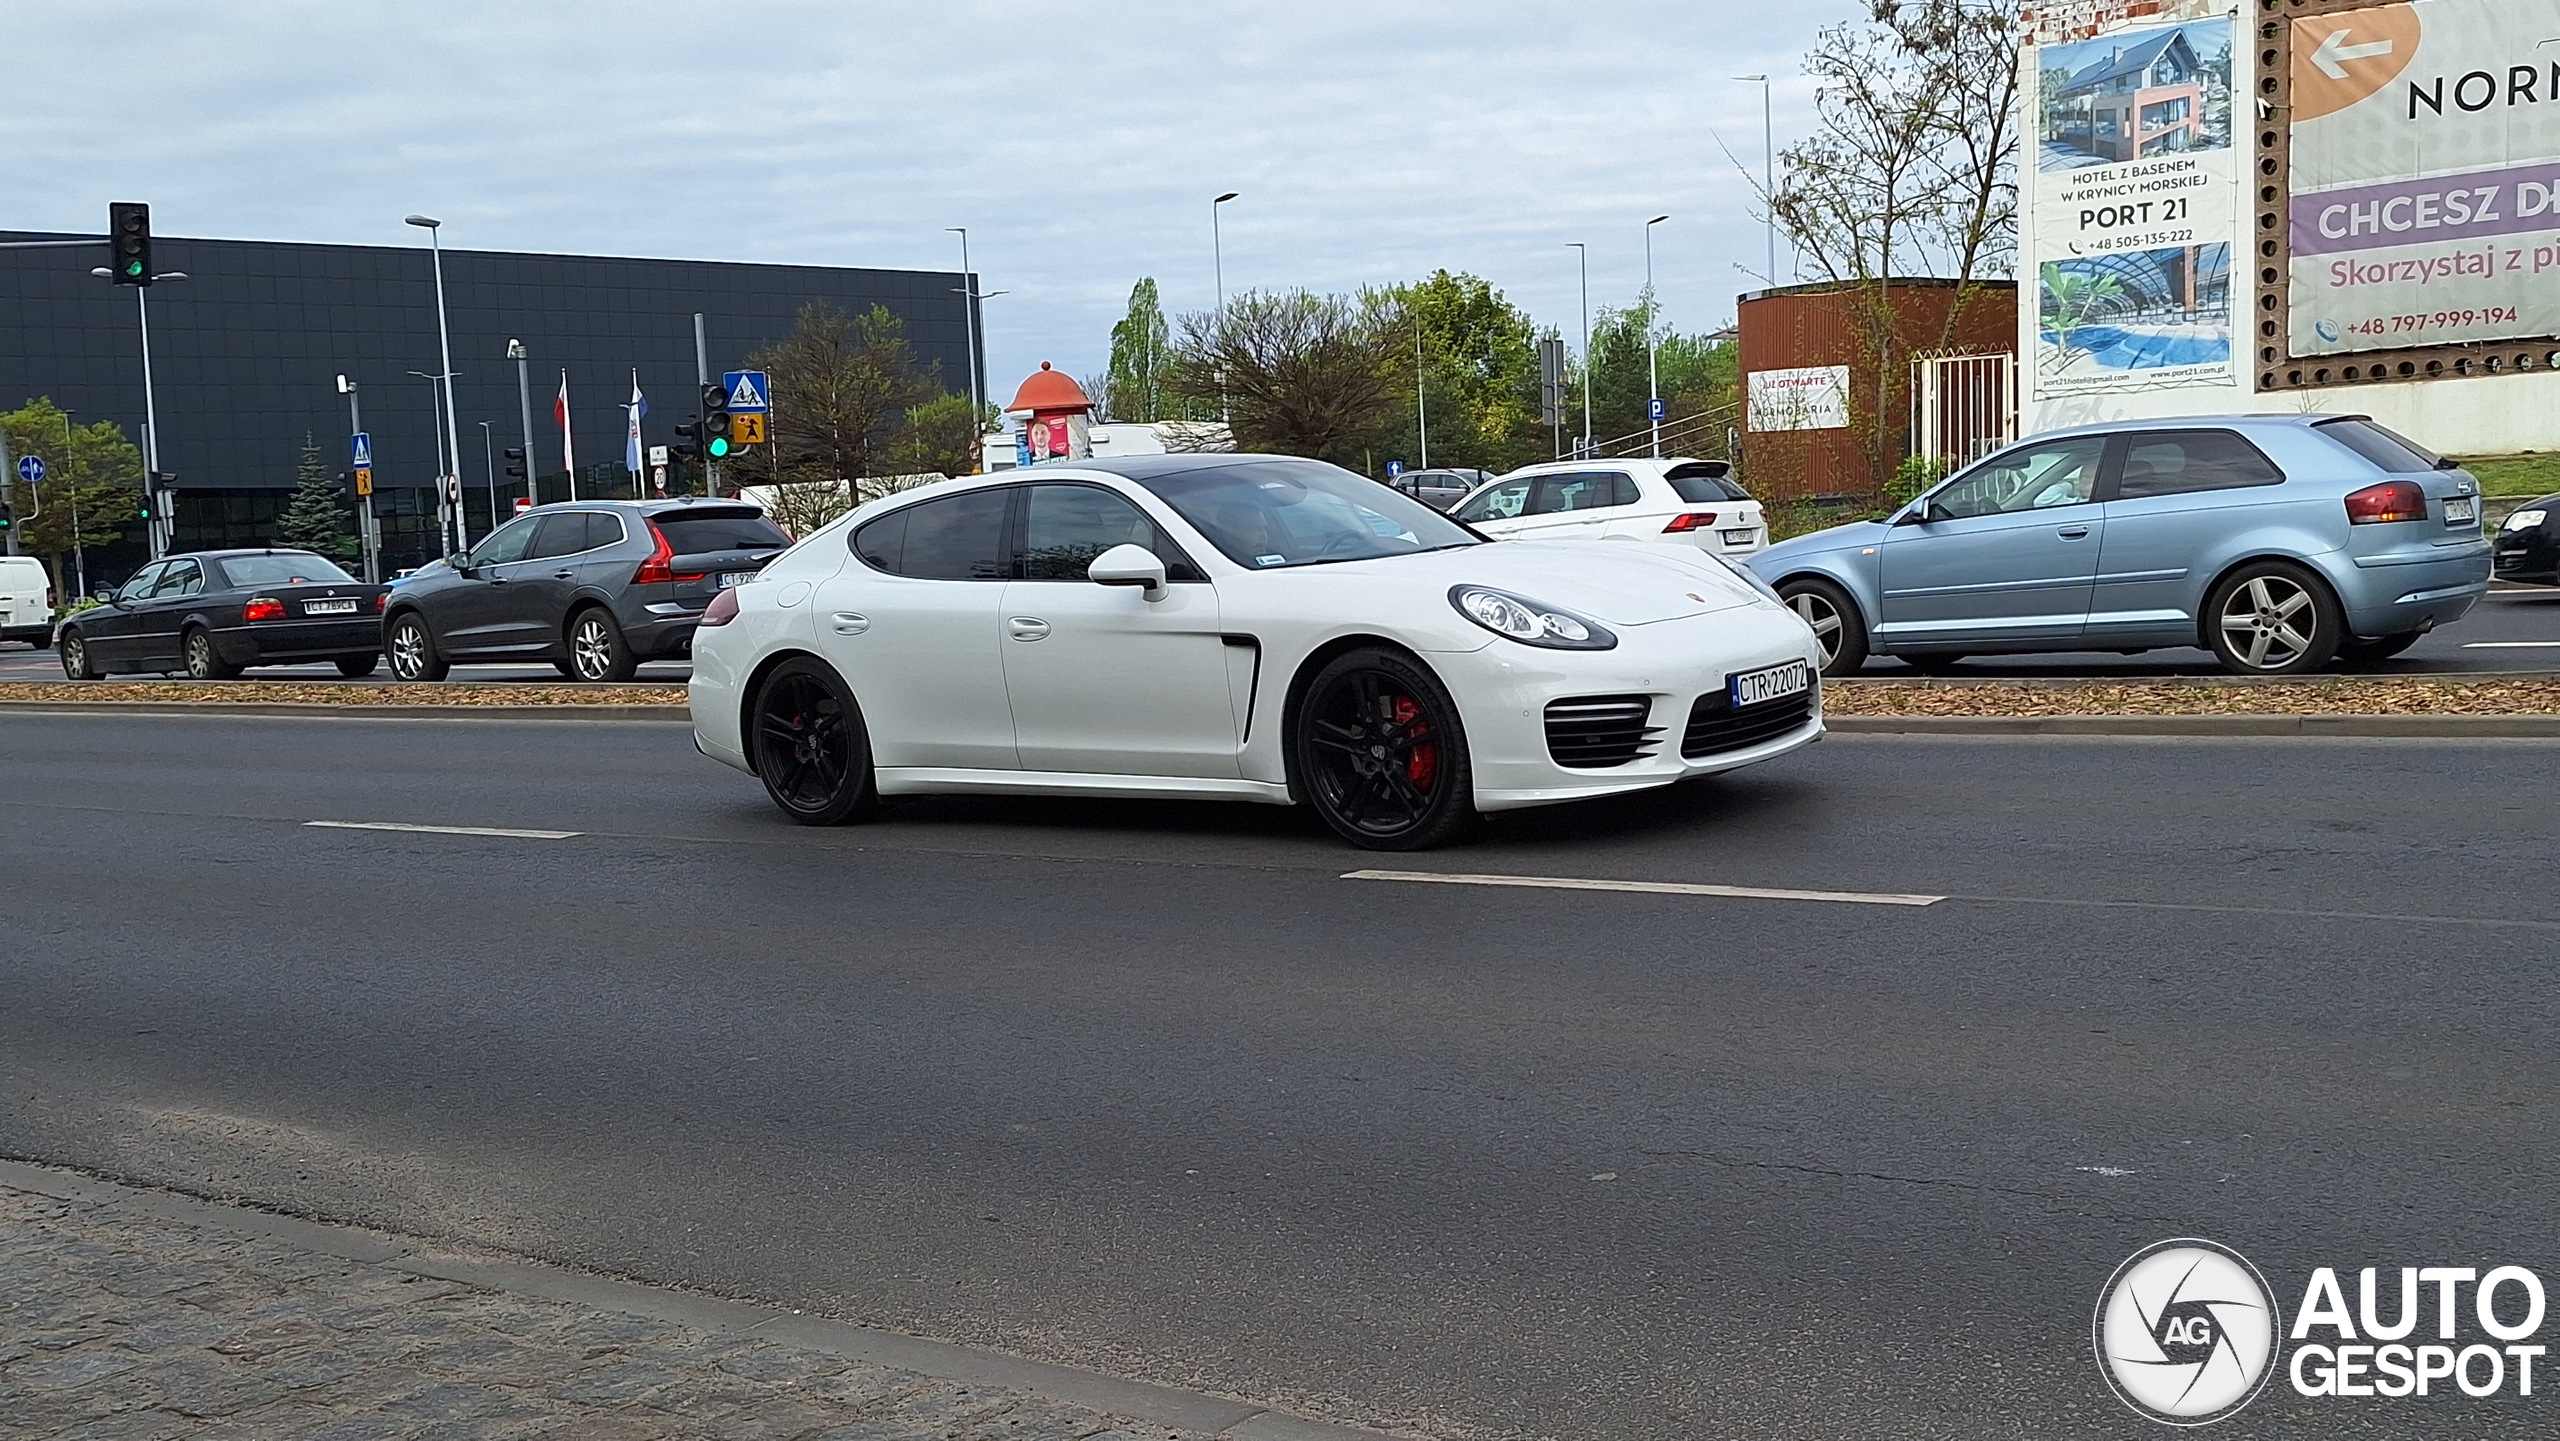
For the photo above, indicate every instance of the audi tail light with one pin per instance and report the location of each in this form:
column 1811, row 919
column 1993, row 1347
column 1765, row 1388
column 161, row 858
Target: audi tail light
column 263, row 607
column 1692, row 520
column 2393, row 500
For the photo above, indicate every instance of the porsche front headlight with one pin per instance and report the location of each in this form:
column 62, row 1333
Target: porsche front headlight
column 1529, row 622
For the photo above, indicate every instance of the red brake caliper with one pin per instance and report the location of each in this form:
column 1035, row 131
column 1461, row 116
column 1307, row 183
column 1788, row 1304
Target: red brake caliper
column 1423, row 761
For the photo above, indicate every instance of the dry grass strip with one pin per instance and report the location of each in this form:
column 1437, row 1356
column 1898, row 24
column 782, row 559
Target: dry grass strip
column 2321, row 696
column 338, row 693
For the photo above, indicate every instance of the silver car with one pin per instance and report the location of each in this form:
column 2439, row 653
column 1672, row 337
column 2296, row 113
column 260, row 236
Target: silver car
column 2280, row 543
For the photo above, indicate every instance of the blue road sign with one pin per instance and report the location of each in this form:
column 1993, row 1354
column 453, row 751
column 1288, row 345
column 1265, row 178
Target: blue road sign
column 361, row 444
column 31, row 468
column 1394, row 469
column 1653, row 407
column 749, row 393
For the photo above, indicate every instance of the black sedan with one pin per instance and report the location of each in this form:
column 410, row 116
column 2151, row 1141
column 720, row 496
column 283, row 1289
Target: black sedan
column 2528, row 546
column 216, row 612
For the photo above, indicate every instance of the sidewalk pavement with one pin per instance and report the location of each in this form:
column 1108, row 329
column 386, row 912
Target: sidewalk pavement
column 128, row 1313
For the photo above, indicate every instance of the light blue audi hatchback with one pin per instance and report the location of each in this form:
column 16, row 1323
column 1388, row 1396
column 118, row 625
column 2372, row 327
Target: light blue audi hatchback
column 2280, row 543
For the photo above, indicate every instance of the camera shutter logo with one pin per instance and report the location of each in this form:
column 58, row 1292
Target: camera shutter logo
column 2186, row 1332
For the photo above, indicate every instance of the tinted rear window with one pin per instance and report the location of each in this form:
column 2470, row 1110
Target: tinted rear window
column 960, row 537
column 2394, row 454
column 1696, row 483
column 283, row 568
column 695, row 532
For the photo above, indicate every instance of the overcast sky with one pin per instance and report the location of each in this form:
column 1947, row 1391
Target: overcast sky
column 1079, row 143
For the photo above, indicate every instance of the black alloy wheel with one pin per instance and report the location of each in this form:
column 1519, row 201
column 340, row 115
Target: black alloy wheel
column 597, row 651
column 412, row 648
column 74, row 655
column 1833, row 618
column 357, row 667
column 810, row 748
column 203, row 661
column 1381, row 754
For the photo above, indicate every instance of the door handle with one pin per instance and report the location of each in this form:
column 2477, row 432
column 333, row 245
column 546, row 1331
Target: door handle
column 1023, row 627
column 564, row 575
column 848, row 623
column 2077, row 532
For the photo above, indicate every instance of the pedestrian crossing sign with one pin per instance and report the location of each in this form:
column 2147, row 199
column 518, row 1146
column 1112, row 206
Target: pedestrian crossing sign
column 748, row 391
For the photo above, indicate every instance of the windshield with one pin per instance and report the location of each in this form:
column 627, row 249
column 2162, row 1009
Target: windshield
column 1268, row 514
column 283, row 568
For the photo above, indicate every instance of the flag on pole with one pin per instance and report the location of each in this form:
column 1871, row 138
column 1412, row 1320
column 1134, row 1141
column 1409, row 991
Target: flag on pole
column 568, row 452
column 638, row 407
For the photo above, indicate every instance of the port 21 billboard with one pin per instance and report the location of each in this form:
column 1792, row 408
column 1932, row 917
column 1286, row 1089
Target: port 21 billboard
column 2423, row 205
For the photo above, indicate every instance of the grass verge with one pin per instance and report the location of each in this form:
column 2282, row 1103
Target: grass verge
column 2320, row 696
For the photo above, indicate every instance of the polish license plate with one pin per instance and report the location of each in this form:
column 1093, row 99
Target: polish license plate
column 2461, row 510
column 328, row 607
column 1737, row 537
column 1777, row 682
column 729, row 578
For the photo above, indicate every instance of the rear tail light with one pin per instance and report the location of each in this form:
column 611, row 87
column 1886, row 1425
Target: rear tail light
column 2393, row 500
column 381, row 602
column 1694, row 520
column 264, row 607
column 723, row 608
column 656, row 570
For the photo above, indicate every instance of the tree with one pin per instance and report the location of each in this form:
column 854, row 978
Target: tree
column 939, row 437
column 1298, row 373
column 91, row 472
column 1133, row 388
column 314, row 520
column 1913, row 166
column 843, row 386
column 1698, row 374
column 1473, row 357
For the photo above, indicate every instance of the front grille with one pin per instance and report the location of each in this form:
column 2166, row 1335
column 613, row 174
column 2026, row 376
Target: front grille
column 1715, row 727
column 1594, row 732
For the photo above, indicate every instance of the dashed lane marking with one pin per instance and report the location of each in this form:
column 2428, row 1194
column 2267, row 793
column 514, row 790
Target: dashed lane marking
column 445, row 830
column 1655, row 888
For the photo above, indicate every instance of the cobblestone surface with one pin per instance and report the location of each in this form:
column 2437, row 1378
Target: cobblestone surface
column 115, row 1325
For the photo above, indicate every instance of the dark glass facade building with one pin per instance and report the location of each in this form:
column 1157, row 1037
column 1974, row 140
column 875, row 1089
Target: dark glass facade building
column 245, row 355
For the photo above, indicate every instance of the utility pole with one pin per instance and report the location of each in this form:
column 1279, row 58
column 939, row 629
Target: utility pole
column 701, row 378
column 368, row 529
column 1652, row 331
column 1421, row 415
column 1768, row 169
column 969, row 317
column 524, row 407
column 1584, row 252
column 449, row 481
column 1218, row 264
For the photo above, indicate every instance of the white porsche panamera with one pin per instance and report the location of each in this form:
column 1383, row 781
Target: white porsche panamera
column 1238, row 627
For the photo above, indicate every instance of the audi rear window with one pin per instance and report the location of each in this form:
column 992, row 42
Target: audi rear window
column 699, row 532
column 284, row 568
column 2394, row 454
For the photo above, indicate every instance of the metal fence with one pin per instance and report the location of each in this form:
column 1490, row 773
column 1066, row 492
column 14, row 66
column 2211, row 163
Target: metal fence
column 1963, row 407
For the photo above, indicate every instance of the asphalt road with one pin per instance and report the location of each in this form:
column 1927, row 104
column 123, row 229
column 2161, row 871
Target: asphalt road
column 1153, row 1088
column 2517, row 628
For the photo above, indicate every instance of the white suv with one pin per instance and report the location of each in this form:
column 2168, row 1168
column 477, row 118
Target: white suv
column 1675, row 501
column 26, row 601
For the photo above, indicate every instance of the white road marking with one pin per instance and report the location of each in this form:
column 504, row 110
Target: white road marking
column 2512, row 645
column 444, row 830
column 1655, row 888
column 2104, row 1170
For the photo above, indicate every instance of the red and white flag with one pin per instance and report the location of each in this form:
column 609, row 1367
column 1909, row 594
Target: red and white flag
column 568, row 452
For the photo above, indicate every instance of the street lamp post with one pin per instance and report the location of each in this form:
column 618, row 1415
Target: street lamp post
column 434, row 403
column 162, row 523
column 489, row 467
column 451, row 481
column 368, row 535
column 969, row 318
column 524, row 408
column 1218, row 269
column 1768, row 170
column 1652, row 366
column 1584, row 251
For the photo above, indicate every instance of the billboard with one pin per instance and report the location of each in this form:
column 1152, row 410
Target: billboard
column 1807, row 398
column 2424, row 205
column 2132, row 202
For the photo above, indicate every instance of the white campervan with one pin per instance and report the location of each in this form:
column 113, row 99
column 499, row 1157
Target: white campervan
column 26, row 601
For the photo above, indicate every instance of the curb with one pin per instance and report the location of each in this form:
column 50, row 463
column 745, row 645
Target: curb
column 2439, row 727
column 1195, row 1411
column 1913, row 680
column 316, row 710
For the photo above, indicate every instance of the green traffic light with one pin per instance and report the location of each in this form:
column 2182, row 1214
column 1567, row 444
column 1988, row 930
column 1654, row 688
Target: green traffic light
column 719, row 447
column 133, row 268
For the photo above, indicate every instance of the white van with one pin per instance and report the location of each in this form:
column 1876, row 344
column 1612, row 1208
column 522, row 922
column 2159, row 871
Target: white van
column 26, row 601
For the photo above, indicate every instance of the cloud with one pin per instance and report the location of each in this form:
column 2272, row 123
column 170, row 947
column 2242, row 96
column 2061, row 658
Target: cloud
column 1080, row 143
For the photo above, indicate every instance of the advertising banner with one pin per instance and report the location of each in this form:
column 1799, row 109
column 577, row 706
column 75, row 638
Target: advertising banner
column 2132, row 207
column 2425, row 206
column 1813, row 398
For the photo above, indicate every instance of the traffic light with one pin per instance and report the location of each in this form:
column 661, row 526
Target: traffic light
column 515, row 462
column 716, row 444
column 129, row 242
column 689, row 440
column 345, row 484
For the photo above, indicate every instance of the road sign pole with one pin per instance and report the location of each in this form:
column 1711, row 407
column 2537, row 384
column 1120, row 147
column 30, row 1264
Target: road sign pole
column 702, row 377
column 9, row 491
column 157, row 531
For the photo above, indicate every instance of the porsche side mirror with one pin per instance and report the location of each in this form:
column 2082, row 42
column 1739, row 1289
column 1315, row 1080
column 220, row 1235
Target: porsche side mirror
column 1129, row 565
